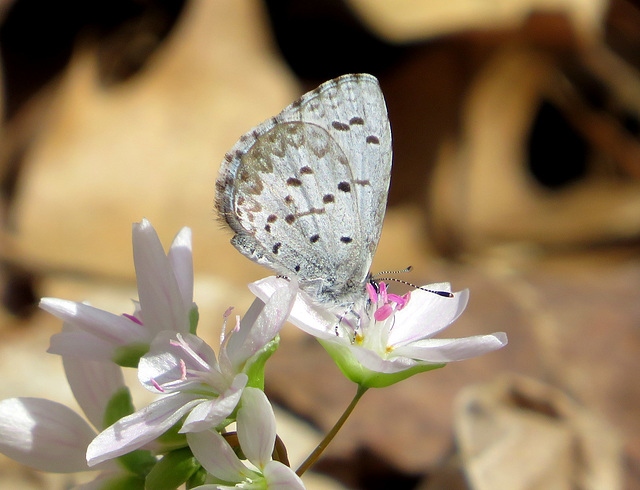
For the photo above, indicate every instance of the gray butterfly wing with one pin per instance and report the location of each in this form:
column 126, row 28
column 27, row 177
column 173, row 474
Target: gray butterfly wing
column 306, row 191
column 353, row 111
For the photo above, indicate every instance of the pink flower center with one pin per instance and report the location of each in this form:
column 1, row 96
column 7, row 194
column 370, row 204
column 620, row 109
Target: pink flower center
column 387, row 303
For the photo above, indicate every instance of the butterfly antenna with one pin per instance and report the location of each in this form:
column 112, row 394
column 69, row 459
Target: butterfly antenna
column 402, row 271
column 376, row 278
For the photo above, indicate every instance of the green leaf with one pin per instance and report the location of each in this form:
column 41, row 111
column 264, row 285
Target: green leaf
column 139, row 462
column 197, row 479
column 172, row 470
column 367, row 378
column 194, row 317
column 255, row 366
column 172, row 439
column 119, row 405
column 123, row 483
column 129, row 355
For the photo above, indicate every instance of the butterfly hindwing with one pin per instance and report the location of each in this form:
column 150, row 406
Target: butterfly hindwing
column 305, row 192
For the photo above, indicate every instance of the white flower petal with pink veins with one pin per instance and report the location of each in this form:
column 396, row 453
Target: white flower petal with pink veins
column 212, row 412
column 85, row 322
column 256, row 427
column 93, row 385
column 165, row 290
column 43, row 434
column 163, row 305
column 388, row 333
column 256, row 436
column 136, row 430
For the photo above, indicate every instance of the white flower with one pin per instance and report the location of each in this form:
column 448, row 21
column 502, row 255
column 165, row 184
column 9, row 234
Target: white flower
column 184, row 369
column 387, row 338
column 256, row 434
column 165, row 291
column 49, row 436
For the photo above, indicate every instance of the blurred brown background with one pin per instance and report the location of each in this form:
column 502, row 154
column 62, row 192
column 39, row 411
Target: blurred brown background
column 516, row 166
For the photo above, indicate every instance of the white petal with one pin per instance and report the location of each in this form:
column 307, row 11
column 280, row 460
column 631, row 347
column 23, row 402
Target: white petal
column 372, row 360
column 161, row 302
column 232, row 356
column 280, row 477
column 217, row 456
column 261, row 324
column 168, row 355
column 448, row 350
column 181, row 260
column 139, row 428
column 211, row 412
column 82, row 345
column 256, row 427
column 426, row 315
column 93, row 384
column 116, row 329
column 43, row 434
column 304, row 314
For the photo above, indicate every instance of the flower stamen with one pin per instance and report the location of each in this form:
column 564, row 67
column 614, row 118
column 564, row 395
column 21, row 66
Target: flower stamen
column 157, row 386
column 390, row 302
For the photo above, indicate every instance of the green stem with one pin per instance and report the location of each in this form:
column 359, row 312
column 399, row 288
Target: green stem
column 313, row 457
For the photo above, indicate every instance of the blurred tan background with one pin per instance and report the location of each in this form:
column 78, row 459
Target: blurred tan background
column 516, row 174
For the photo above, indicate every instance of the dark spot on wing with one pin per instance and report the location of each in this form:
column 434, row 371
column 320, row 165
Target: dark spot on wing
column 294, row 135
column 327, row 198
column 344, row 187
column 346, row 239
column 267, row 228
column 297, row 268
column 362, row 182
column 288, row 199
column 276, row 247
column 271, row 218
column 290, row 218
column 255, row 187
column 228, row 157
column 373, row 140
column 306, row 170
column 292, row 181
column 356, row 120
column 314, row 238
column 340, row 126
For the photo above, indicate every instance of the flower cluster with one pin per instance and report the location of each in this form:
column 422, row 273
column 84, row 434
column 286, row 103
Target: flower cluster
column 187, row 434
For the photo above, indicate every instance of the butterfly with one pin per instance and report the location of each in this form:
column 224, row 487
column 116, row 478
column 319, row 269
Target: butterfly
column 305, row 192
